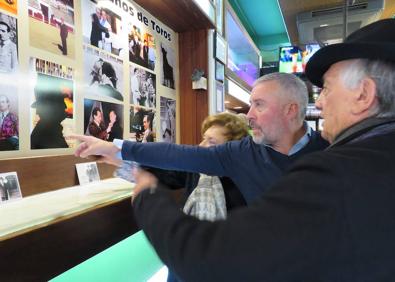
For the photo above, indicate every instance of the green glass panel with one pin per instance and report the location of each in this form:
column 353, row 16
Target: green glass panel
column 132, row 259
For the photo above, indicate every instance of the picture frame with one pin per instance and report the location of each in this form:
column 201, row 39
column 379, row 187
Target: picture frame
column 87, row 172
column 219, row 94
column 219, row 16
column 10, row 189
column 219, row 71
column 220, row 48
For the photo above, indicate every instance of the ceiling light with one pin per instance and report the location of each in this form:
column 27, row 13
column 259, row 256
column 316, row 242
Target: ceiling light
column 238, row 92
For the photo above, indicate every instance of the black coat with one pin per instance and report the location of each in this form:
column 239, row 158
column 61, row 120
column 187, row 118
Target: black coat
column 331, row 218
column 97, row 31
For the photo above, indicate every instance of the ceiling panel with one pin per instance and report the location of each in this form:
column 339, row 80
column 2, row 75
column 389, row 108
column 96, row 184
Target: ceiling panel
column 290, row 8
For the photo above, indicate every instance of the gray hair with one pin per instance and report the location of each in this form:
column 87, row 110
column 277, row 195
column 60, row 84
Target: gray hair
column 382, row 73
column 291, row 87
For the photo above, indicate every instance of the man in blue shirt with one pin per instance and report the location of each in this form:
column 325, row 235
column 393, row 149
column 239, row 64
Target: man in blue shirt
column 280, row 136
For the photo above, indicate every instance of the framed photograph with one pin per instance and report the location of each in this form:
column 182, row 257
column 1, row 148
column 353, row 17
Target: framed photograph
column 219, row 92
column 9, row 187
column 220, row 50
column 219, row 16
column 87, row 172
column 219, row 71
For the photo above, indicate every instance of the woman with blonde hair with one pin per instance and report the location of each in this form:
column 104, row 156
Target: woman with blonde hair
column 216, row 129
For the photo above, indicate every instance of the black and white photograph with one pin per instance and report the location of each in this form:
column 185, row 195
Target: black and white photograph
column 9, row 117
column 103, row 75
column 102, row 27
column 141, row 47
column 8, row 44
column 142, row 87
column 52, row 107
column 9, row 187
column 103, row 120
column 142, row 124
column 52, row 27
column 87, row 172
column 167, row 72
column 167, row 120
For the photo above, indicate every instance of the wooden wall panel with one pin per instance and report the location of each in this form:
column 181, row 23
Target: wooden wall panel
column 44, row 253
column 43, row 174
column 193, row 53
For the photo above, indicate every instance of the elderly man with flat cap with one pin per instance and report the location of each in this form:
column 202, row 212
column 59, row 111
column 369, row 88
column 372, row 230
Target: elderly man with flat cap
column 332, row 217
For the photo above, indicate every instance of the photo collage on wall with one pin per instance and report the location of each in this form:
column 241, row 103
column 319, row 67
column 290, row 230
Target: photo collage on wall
column 103, row 120
column 52, row 25
column 9, row 112
column 142, row 124
column 125, row 60
column 103, row 75
column 102, row 28
column 52, row 107
column 168, row 120
column 167, row 66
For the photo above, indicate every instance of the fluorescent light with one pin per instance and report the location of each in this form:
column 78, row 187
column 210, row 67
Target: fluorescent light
column 324, row 25
column 238, row 92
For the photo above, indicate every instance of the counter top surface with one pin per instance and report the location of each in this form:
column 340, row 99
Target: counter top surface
column 39, row 210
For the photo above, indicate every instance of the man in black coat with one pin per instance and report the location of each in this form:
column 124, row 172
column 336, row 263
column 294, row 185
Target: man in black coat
column 331, row 218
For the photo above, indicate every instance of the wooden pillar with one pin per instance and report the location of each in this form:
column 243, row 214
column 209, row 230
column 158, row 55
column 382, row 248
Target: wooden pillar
column 193, row 53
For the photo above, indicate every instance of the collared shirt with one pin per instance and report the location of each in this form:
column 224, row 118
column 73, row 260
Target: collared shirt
column 303, row 141
column 2, row 117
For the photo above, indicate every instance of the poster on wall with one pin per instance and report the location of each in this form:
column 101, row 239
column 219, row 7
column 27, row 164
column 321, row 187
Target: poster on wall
column 103, row 75
column 142, row 87
column 142, row 124
column 10, row 6
column 8, row 44
column 51, row 26
column 168, row 120
column 102, row 27
column 141, row 47
column 103, row 120
column 9, row 124
column 9, row 187
column 167, row 66
column 52, row 108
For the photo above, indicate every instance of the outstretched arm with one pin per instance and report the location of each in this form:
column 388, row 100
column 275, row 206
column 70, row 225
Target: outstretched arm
column 164, row 155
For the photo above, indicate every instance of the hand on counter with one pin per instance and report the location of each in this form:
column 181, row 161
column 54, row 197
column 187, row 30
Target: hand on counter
column 91, row 146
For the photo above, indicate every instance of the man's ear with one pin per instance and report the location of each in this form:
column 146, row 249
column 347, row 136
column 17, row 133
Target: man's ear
column 291, row 110
column 366, row 98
